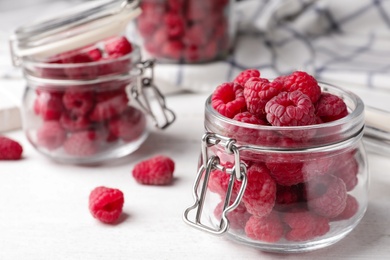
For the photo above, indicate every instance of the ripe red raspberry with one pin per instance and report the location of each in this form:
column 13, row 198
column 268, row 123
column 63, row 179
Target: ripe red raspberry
column 75, row 67
column 94, row 54
column 304, row 225
column 109, row 104
column 326, row 195
column 129, row 125
column 237, row 218
column 49, row 105
column 268, row 228
column 219, row 180
column 73, row 122
column 257, row 92
column 175, row 24
column 157, row 170
column 82, row 144
column 245, row 134
column 346, row 168
column 245, row 75
column 290, row 109
column 249, row 118
column 330, row 107
column 228, row 99
column 260, row 192
column 106, row 204
column 118, row 45
column 286, row 173
column 302, row 81
column 78, row 102
column 51, row 135
column 10, row 149
column 351, row 208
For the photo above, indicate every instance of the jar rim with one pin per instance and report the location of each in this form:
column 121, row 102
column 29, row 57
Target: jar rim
column 355, row 115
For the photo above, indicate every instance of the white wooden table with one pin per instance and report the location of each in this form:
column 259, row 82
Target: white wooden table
column 44, row 205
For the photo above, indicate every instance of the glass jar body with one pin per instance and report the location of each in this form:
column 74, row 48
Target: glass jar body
column 82, row 113
column 306, row 187
column 186, row 31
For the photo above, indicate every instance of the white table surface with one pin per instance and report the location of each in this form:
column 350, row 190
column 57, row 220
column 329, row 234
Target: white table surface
column 44, row 205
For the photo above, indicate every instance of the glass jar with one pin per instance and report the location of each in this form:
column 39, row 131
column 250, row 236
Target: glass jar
column 282, row 189
column 186, row 31
column 88, row 91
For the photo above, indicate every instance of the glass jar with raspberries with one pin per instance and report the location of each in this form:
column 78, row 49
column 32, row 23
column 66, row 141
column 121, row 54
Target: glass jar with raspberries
column 88, row 90
column 282, row 167
column 186, row 31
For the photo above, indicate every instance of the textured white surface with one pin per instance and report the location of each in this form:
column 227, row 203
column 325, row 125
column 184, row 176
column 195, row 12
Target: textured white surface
column 44, row 206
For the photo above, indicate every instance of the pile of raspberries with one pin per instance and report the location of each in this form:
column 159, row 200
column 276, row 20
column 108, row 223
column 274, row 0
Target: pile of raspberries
column 289, row 196
column 184, row 30
column 87, row 119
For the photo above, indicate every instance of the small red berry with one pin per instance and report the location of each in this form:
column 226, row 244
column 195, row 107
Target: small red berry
column 157, row 170
column 118, row 45
column 51, row 135
column 106, row 204
column 268, row 228
column 228, row 99
column 10, row 149
column 245, row 75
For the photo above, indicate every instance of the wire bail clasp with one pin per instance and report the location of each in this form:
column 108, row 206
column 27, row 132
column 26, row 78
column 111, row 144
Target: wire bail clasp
column 146, row 90
column 237, row 172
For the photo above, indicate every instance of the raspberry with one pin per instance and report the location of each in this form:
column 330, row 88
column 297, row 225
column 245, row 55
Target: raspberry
column 304, row 225
column 351, row 208
column 73, row 122
column 118, row 45
column 237, row 218
column 77, row 70
column 302, row 81
column 106, row 204
column 286, row 173
column 49, row 105
column 249, row 118
column 268, row 228
column 326, row 195
column 219, row 181
column 109, row 104
column 78, row 102
column 10, row 149
column 346, row 168
column 257, row 92
column 245, row 75
column 290, row 109
column 330, row 107
column 287, row 196
column 157, row 170
column 51, row 135
column 228, row 99
column 95, row 54
column 175, row 25
column 260, row 192
column 245, row 134
column 317, row 167
column 129, row 125
column 82, row 144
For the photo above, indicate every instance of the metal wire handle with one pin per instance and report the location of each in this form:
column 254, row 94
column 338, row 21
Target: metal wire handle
column 237, row 172
column 139, row 92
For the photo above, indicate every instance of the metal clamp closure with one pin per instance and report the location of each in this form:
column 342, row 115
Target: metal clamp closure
column 237, row 172
column 145, row 90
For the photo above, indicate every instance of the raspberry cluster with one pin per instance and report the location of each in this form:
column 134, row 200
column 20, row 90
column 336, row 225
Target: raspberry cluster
column 289, row 196
column 184, row 30
column 84, row 120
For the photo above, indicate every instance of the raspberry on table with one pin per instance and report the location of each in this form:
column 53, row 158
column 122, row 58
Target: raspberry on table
column 118, row 45
column 290, row 109
column 78, row 102
column 268, row 228
column 260, row 193
column 228, row 99
column 237, row 218
column 10, row 149
column 106, row 204
column 302, row 81
column 257, row 92
column 157, row 170
column 245, row 75
column 326, row 195
column 51, row 135
column 330, row 107
column 82, row 143
column 303, row 225
column 129, row 125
